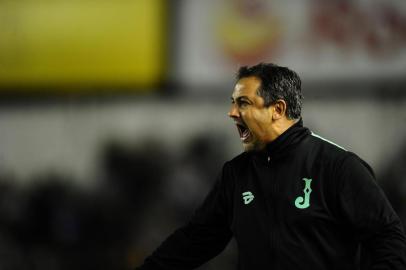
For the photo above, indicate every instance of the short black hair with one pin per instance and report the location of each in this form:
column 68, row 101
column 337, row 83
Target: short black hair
column 277, row 83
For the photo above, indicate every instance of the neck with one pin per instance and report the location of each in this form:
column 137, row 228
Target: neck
column 281, row 126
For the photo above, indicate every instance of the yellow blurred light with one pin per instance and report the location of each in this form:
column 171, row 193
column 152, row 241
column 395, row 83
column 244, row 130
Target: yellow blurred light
column 87, row 42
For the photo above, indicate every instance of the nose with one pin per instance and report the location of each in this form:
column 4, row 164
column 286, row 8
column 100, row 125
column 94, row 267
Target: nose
column 234, row 113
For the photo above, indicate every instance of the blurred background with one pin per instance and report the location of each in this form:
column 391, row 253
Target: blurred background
column 113, row 121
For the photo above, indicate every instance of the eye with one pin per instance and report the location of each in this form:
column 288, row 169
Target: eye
column 243, row 103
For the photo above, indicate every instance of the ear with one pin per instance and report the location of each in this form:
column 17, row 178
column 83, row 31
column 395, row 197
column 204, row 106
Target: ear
column 279, row 110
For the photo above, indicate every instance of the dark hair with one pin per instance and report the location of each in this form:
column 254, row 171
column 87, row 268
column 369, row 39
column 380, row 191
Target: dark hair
column 277, row 83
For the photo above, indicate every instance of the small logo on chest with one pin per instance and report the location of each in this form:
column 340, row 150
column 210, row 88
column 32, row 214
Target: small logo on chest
column 247, row 197
column 301, row 202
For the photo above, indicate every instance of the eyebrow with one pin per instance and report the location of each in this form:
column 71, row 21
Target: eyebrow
column 240, row 98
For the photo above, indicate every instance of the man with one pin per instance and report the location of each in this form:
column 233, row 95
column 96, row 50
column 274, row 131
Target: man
column 292, row 200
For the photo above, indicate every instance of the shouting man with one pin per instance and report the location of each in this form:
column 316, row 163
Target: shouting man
column 292, row 199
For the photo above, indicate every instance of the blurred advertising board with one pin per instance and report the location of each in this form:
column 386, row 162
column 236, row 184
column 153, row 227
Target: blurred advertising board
column 322, row 40
column 87, row 43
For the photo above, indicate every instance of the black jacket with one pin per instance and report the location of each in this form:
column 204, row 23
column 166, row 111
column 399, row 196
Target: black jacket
column 303, row 203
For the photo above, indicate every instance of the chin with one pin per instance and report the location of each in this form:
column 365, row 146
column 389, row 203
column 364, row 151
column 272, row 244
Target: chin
column 249, row 147
column 253, row 146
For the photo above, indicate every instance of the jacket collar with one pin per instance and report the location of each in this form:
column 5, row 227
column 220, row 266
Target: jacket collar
column 284, row 143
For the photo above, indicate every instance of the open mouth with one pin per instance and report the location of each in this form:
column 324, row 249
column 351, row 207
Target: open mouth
column 245, row 133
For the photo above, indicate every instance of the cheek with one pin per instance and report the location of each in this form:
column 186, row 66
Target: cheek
column 257, row 121
column 246, row 116
column 249, row 119
column 262, row 119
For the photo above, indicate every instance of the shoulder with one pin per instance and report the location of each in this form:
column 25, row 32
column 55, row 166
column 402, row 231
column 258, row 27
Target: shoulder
column 352, row 162
column 331, row 152
column 325, row 149
column 325, row 143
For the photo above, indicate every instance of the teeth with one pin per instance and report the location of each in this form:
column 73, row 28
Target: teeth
column 243, row 131
column 245, row 134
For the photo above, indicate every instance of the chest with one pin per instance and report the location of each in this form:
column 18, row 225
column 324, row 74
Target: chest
column 283, row 197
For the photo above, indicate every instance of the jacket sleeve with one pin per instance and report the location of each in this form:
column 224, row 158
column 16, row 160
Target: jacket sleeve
column 204, row 237
column 371, row 217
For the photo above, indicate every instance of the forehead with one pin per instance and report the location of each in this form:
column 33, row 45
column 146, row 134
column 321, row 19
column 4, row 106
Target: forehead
column 246, row 87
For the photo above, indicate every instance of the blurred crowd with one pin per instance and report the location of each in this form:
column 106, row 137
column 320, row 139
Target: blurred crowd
column 54, row 224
